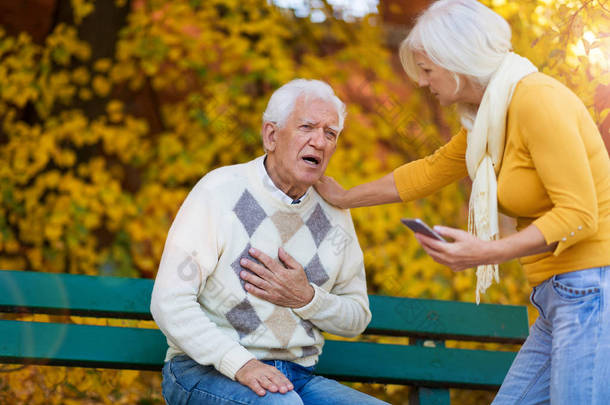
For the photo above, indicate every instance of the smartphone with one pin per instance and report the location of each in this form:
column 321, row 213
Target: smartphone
column 419, row 226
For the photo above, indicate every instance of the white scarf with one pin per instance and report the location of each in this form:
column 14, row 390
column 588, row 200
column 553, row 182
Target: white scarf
column 484, row 155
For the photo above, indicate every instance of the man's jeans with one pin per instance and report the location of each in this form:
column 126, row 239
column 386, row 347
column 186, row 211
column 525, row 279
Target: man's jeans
column 566, row 358
column 187, row 382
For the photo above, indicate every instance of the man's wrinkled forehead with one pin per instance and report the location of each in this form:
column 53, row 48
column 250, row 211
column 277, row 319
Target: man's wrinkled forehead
column 305, row 113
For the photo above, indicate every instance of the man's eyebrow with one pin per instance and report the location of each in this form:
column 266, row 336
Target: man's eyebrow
column 314, row 123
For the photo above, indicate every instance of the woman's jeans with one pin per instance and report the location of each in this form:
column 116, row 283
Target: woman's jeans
column 566, row 358
column 187, row 382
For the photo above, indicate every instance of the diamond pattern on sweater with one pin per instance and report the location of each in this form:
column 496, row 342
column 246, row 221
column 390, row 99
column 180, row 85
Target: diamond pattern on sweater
column 236, row 266
column 287, row 224
column 315, row 271
column 319, row 225
column 282, row 324
column 249, row 212
column 243, row 318
column 308, row 326
column 310, row 351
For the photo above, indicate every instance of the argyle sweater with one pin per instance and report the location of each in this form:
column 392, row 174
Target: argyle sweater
column 199, row 301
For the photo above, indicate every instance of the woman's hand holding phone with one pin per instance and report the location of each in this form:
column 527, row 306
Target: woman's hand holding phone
column 463, row 252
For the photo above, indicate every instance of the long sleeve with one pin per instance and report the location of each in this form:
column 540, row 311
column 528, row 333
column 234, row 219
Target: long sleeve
column 550, row 126
column 344, row 310
column 423, row 177
column 191, row 253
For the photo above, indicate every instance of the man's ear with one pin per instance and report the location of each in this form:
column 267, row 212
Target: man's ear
column 270, row 134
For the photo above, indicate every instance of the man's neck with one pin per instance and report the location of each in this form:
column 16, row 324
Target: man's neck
column 290, row 190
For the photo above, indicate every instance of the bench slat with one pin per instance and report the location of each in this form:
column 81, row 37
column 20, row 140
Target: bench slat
column 447, row 319
column 414, row 365
column 81, row 345
column 52, row 293
column 144, row 349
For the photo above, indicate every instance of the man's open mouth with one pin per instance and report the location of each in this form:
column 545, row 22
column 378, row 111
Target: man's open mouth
column 312, row 160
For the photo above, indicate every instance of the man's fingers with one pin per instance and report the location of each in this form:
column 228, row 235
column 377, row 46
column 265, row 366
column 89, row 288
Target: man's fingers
column 258, row 269
column 274, row 381
column 256, row 387
column 254, row 279
column 287, row 259
column 260, row 378
column 267, row 383
column 258, row 292
column 283, row 383
column 263, row 258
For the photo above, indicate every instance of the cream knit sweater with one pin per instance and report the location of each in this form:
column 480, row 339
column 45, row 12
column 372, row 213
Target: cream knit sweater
column 198, row 299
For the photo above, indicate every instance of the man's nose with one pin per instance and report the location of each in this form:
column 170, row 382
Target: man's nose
column 318, row 139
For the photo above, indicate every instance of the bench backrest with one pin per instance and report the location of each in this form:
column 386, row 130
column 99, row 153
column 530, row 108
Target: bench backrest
column 139, row 348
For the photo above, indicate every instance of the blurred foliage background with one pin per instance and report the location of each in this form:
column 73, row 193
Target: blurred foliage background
column 112, row 110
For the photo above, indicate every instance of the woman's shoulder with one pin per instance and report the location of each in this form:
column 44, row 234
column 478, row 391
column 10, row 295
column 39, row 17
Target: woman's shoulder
column 538, row 90
column 541, row 84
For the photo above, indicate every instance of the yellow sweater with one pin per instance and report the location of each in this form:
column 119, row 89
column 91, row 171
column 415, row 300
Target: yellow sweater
column 555, row 173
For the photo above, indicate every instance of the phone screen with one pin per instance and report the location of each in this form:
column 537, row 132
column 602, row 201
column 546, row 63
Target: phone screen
column 419, row 226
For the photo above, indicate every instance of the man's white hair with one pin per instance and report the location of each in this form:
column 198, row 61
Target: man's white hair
column 463, row 36
column 282, row 101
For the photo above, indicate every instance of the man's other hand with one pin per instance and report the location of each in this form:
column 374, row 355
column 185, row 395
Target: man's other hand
column 281, row 283
column 260, row 378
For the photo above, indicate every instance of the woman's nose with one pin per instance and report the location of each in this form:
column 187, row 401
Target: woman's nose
column 423, row 82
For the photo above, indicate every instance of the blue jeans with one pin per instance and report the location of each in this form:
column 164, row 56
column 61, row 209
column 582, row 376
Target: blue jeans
column 566, row 358
column 187, row 382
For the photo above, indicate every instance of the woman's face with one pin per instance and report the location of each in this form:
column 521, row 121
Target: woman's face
column 442, row 84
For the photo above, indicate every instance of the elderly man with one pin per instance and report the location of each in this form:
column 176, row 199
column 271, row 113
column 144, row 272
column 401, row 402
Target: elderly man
column 257, row 264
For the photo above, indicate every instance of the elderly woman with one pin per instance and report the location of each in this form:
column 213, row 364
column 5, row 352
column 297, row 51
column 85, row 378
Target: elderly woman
column 533, row 152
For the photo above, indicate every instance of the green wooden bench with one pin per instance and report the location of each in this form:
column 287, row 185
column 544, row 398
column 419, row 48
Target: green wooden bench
column 425, row 363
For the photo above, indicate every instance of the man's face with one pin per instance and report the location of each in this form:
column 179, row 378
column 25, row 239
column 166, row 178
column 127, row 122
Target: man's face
column 299, row 152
